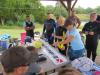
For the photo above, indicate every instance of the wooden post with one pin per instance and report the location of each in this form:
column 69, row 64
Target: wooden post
column 69, row 6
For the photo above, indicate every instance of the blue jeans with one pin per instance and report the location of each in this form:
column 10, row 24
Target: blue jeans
column 74, row 54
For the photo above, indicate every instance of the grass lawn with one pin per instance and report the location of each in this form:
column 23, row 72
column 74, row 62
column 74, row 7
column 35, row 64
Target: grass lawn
column 15, row 32
column 98, row 48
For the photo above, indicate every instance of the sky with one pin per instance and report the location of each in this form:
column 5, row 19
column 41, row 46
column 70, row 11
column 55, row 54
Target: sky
column 82, row 3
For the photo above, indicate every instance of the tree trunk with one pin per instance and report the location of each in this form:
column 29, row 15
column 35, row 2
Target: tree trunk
column 2, row 21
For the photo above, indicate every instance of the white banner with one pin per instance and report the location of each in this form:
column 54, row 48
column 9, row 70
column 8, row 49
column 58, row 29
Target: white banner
column 52, row 53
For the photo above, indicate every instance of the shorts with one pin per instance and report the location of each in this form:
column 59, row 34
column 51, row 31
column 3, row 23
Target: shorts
column 74, row 54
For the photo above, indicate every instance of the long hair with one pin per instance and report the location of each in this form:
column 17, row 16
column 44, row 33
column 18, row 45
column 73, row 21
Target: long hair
column 61, row 20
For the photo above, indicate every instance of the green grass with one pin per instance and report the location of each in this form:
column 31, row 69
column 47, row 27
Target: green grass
column 15, row 31
column 98, row 50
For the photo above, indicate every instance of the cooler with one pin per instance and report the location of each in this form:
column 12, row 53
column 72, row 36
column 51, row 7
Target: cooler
column 23, row 34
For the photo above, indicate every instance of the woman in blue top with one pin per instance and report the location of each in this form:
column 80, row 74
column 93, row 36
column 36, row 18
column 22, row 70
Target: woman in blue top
column 73, row 38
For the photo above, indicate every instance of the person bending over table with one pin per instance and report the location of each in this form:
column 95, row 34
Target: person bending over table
column 60, row 31
column 76, row 48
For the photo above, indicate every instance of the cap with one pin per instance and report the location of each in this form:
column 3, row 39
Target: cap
column 15, row 57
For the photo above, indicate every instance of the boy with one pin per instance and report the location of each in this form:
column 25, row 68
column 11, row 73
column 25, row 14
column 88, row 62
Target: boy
column 34, row 68
column 29, row 27
column 16, row 60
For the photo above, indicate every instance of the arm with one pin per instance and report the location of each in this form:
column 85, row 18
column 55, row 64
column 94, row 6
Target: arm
column 79, row 22
column 66, row 41
column 24, row 26
column 55, row 24
column 99, row 28
column 44, row 28
column 84, row 30
column 33, row 26
column 59, row 37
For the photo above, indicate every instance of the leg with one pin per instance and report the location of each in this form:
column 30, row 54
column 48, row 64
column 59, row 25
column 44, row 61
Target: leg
column 94, row 50
column 32, row 34
column 27, row 33
column 94, row 54
column 89, row 47
column 89, row 51
column 50, row 39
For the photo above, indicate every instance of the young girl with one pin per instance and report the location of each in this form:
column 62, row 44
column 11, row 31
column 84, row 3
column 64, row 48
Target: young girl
column 60, row 32
column 76, row 48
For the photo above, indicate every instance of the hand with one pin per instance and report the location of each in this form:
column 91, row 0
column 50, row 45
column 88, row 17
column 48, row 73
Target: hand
column 55, row 44
column 53, row 35
column 26, row 28
column 86, row 33
column 91, row 33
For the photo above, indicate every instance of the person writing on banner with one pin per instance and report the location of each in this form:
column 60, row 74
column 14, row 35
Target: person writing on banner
column 73, row 37
column 60, row 32
column 76, row 20
column 29, row 27
column 49, row 27
column 92, row 31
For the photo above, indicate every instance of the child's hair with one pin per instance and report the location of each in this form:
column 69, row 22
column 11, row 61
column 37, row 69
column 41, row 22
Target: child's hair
column 69, row 21
column 34, row 53
column 31, row 48
column 61, row 20
column 69, row 71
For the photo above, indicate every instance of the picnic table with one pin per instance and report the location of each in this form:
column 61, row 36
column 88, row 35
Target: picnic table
column 54, row 58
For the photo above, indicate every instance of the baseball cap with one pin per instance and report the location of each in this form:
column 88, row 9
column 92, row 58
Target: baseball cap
column 15, row 57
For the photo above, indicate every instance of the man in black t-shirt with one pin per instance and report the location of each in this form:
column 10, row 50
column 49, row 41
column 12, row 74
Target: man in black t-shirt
column 92, row 31
column 29, row 27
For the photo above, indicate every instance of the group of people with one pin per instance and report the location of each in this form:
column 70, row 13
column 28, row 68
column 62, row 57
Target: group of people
column 64, row 35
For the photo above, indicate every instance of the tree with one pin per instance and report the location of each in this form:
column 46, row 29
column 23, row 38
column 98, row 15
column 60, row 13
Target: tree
column 80, row 10
column 98, row 9
column 60, row 10
column 89, row 10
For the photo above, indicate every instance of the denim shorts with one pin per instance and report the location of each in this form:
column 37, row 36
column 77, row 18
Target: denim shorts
column 74, row 54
